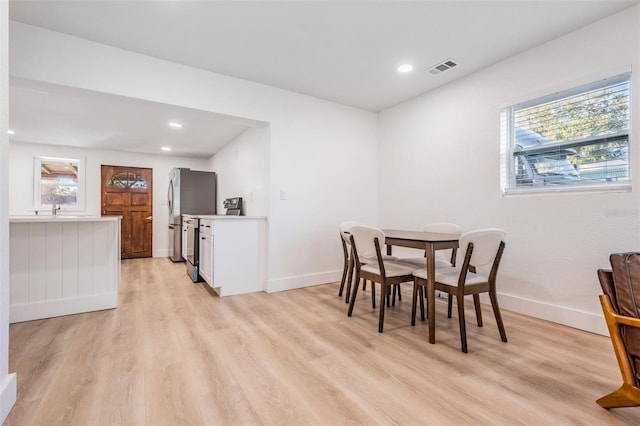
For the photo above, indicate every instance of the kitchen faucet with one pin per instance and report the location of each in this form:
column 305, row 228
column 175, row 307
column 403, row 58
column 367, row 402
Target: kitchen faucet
column 54, row 209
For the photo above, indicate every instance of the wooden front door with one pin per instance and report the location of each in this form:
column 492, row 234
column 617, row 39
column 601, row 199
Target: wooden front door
column 127, row 192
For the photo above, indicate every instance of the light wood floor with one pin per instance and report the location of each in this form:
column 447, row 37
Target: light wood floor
column 173, row 354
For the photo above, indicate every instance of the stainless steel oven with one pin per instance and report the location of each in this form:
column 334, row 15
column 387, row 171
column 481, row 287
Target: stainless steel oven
column 191, row 227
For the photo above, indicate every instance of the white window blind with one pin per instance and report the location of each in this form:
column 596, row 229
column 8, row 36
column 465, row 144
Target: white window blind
column 573, row 140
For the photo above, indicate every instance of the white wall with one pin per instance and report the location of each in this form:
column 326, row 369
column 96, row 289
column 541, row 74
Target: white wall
column 323, row 154
column 7, row 381
column 439, row 157
column 21, row 180
column 243, row 171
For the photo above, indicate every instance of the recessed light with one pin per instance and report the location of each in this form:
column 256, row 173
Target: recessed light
column 11, row 132
column 166, row 148
column 405, row 68
column 175, row 125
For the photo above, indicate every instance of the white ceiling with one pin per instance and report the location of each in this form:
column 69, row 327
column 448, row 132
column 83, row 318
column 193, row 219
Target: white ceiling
column 341, row 51
column 59, row 115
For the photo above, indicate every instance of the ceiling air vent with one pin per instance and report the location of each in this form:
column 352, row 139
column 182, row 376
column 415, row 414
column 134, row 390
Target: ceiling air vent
column 442, row 67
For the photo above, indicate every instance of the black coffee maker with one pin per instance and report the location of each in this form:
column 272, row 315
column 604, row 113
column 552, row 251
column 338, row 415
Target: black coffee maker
column 234, row 206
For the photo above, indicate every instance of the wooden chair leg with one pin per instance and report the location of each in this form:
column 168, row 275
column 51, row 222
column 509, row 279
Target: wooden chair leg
column 463, row 329
column 395, row 288
column 399, row 292
column 344, row 278
column 373, row 295
column 496, row 311
column 449, row 305
column 422, row 293
column 384, row 293
column 349, row 280
column 388, row 295
column 626, row 396
column 414, row 302
column 476, row 303
column 364, row 285
column 353, row 296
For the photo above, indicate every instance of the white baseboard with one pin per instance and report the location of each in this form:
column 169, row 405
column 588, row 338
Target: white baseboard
column 587, row 321
column 8, row 393
column 299, row 281
column 161, row 253
column 56, row 308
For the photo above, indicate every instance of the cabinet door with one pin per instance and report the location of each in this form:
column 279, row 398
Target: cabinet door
column 204, row 273
column 206, row 260
column 209, row 258
column 184, row 242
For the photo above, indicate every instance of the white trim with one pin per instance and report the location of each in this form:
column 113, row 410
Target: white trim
column 80, row 195
column 577, row 188
column 56, row 308
column 8, row 394
column 300, row 281
column 560, row 85
column 161, row 252
column 586, row 321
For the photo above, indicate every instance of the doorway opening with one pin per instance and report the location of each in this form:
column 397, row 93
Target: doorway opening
column 128, row 192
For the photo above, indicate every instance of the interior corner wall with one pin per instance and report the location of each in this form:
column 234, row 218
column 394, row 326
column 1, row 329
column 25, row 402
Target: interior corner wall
column 8, row 390
column 440, row 159
column 323, row 155
column 242, row 168
column 21, row 180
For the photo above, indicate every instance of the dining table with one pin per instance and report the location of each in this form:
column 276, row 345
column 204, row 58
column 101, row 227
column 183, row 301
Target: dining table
column 430, row 242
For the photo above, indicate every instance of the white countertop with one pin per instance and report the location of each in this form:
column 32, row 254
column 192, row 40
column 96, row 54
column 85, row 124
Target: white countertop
column 224, row 217
column 61, row 218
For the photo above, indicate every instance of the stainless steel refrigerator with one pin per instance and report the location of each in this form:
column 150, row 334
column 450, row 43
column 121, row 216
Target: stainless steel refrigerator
column 190, row 192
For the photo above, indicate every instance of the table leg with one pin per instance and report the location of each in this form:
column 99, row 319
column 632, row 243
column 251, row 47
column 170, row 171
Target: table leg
column 431, row 291
column 389, row 249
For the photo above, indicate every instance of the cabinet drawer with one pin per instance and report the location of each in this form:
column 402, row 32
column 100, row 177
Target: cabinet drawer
column 206, row 225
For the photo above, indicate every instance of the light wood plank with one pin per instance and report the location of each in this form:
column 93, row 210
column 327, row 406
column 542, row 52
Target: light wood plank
column 172, row 353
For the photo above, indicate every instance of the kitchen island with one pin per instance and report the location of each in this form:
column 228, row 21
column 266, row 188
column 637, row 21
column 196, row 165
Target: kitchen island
column 233, row 253
column 62, row 265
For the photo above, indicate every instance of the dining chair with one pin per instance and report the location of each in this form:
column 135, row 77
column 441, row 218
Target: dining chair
column 365, row 243
column 443, row 257
column 621, row 306
column 482, row 248
column 347, row 269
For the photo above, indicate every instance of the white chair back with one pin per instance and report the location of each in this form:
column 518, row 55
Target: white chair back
column 485, row 245
column 363, row 237
column 345, row 228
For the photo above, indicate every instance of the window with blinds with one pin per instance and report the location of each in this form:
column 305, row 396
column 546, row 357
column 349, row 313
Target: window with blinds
column 573, row 140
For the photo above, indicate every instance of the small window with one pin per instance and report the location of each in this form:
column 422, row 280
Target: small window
column 59, row 181
column 127, row 180
column 573, row 140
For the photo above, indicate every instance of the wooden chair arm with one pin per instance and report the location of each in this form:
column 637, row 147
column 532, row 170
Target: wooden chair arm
column 614, row 320
column 620, row 319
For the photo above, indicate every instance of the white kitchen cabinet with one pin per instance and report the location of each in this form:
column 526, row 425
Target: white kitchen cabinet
column 206, row 250
column 236, row 250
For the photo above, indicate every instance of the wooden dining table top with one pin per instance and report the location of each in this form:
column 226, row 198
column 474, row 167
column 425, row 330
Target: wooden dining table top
column 419, row 235
column 419, row 239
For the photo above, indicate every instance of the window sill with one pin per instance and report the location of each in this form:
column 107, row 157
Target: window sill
column 581, row 189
